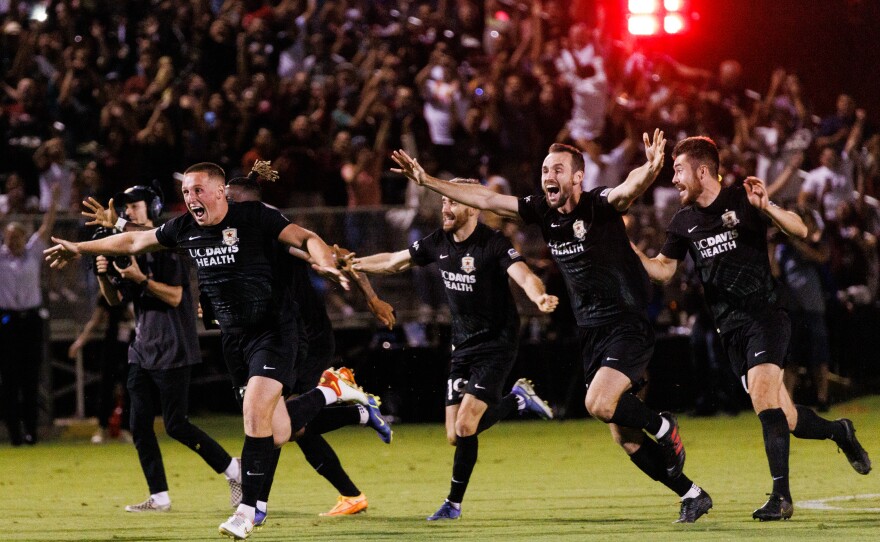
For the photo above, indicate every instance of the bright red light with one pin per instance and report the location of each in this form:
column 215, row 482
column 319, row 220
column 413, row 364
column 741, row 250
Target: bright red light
column 673, row 24
column 643, row 25
column 673, row 5
column 643, row 6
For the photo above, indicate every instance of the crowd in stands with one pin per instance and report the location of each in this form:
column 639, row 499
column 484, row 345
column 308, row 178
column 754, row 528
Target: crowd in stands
column 98, row 96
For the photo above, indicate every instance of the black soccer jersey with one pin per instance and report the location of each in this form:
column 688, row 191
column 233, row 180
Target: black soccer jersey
column 603, row 275
column 728, row 243
column 474, row 274
column 234, row 260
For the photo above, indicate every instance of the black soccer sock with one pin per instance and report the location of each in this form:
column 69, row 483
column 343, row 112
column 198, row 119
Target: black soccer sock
column 462, row 466
column 269, row 476
column 256, row 455
column 303, row 408
column 497, row 413
column 812, row 426
column 324, row 460
column 776, row 443
column 332, row 418
column 632, row 412
column 650, row 459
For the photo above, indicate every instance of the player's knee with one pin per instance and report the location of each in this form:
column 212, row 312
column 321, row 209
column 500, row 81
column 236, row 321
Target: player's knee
column 451, row 438
column 599, row 408
column 465, row 428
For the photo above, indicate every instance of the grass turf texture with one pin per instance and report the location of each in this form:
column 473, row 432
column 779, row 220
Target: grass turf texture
column 534, row 481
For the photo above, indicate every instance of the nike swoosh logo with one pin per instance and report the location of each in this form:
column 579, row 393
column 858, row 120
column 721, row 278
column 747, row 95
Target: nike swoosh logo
column 194, row 238
column 267, row 368
column 778, row 478
column 249, row 473
column 444, row 256
column 759, row 353
column 479, row 387
column 555, row 225
column 692, row 229
column 612, row 359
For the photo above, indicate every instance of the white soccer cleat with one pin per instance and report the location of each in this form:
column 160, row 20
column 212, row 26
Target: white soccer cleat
column 343, row 385
column 237, row 527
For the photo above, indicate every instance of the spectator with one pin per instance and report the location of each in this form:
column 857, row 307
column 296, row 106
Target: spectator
column 21, row 324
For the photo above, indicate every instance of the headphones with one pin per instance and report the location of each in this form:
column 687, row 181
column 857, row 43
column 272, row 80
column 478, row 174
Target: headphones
column 152, row 198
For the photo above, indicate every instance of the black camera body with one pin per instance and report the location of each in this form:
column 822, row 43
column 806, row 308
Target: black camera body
column 121, row 261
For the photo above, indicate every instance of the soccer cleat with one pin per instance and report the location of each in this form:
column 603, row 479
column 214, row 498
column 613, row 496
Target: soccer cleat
column 446, row 511
column 524, row 390
column 692, row 509
column 235, row 487
column 347, row 506
column 260, row 518
column 673, row 448
column 345, row 389
column 776, row 508
column 237, row 527
column 853, row 450
column 149, row 505
column 377, row 421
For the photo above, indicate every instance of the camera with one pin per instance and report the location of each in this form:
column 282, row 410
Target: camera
column 121, row 261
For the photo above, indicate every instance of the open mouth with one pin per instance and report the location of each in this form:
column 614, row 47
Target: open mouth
column 552, row 189
column 197, row 211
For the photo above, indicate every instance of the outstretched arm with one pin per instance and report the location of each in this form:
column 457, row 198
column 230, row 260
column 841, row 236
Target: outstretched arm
column 660, row 268
column 129, row 243
column 788, row 222
column 473, row 195
column 385, row 263
column 639, row 179
column 382, row 310
column 320, row 254
column 533, row 287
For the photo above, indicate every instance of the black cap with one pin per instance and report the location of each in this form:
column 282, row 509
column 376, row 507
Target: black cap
column 133, row 194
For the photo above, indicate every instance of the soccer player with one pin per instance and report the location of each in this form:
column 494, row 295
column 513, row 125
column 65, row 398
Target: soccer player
column 319, row 347
column 233, row 247
column 609, row 293
column 161, row 356
column 725, row 232
column 475, row 263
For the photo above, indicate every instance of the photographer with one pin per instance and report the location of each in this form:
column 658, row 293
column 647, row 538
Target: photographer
column 164, row 349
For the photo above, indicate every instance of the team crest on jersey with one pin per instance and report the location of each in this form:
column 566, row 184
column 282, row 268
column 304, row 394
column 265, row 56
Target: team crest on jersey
column 467, row 264
column 230, row 237
column 579, row 230
column 729, row 219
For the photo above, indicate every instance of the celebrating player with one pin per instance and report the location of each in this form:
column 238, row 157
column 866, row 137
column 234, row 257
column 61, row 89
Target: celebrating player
column 233, row 247
column 725, row 232
column 474, row 262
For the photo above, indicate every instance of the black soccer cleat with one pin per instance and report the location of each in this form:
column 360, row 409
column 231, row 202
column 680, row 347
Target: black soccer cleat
column 853, row 450
column 776, row 508
column 673, row 449
column 692, row 509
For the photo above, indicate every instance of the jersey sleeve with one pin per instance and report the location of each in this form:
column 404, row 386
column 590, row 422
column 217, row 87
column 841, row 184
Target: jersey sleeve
column 271, row 220
column 532, row 208
column 424, row 251
column 599, row 196
column 676, row 246
column 502, row 249
column 168, row 232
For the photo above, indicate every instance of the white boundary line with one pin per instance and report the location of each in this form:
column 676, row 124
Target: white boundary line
column 824, row 504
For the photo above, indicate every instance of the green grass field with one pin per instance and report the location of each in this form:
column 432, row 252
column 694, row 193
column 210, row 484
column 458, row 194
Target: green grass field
column 535, row 480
